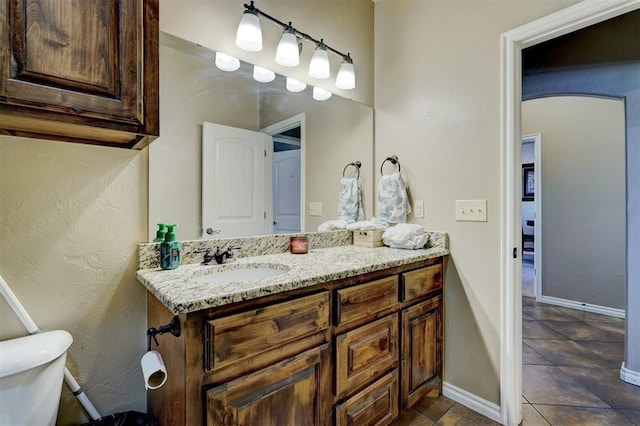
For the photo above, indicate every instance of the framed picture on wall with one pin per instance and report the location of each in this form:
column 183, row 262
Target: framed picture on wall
column 528, row 182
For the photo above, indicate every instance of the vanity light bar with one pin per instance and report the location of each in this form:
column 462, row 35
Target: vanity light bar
column 249, row 37
column 228, row 63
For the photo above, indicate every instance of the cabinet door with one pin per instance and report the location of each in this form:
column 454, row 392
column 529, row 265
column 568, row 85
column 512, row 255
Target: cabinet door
column 376, row 405
column 79, row 70
column 366, row 353
column 421, row 350
column 293, row 392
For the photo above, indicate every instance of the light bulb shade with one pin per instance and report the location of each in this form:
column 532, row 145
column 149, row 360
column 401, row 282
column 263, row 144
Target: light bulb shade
column 319, row 66
column 249, row 34
column 226, row 62
column 287, row 53
column 346, row 78
column 263, row 75
column 294, row 85
column 320, row 94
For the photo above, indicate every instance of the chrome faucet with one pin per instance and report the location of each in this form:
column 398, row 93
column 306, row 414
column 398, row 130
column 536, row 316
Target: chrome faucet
column 207, row 257
column 220, row 256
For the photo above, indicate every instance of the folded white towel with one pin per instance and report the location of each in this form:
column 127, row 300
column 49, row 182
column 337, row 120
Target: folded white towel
column 405, row 236
column 350, row 206
column 367, row 225
column 393, row 203
column 332, row 225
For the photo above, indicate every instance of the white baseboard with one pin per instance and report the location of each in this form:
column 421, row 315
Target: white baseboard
column 596, row 309
column 473, row 402
column 629, row 376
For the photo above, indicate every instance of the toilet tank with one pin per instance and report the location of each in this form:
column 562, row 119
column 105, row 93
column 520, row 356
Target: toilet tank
column 31, row 374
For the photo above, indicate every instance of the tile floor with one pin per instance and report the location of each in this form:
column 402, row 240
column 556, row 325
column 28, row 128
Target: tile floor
column 527, row 274
column 441, row 411
column 571, row 366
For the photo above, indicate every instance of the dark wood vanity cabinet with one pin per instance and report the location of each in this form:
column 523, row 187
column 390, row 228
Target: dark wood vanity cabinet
column 80, row 70
column 350, row 352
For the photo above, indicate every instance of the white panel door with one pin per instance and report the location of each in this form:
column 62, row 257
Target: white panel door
column 233, row 181
column 286, row 191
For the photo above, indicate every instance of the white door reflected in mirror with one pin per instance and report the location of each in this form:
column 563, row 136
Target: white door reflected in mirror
column 286, row 191
column 233, row 181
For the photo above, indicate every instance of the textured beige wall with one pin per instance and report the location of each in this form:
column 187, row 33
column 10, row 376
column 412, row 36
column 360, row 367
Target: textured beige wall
column 71, row 217
column 583, row 197
column 437, row 106
column 345, row 25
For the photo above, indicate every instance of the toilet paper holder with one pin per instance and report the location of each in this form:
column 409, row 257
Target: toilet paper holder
column 173, row 327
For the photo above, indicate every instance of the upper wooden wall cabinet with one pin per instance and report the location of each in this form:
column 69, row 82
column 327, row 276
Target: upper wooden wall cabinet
column 80, row 70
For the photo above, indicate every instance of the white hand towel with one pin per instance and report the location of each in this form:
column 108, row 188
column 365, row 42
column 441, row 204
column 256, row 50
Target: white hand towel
column 332, row 225
column 350, row 200
column 366, row 225
column 393, row 203
column 405, row 236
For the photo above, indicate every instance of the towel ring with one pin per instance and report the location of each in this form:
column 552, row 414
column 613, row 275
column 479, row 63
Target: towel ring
column 393, row 159
column 356, row 164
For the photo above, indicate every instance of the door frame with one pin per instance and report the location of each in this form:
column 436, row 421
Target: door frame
column 573, row 18
column 297, row 120
column 536, row 140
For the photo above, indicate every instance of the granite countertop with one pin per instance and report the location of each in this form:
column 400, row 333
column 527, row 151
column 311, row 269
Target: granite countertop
column 179, row 291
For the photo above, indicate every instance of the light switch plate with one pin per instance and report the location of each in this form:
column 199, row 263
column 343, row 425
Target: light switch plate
column 419, row 208
column 315, row 209
column 471, row 210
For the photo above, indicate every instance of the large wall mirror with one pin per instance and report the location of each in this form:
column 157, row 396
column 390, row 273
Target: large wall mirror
column 193, row 91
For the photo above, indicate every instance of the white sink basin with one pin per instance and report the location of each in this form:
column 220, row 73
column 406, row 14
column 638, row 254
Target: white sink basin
column 238, row 274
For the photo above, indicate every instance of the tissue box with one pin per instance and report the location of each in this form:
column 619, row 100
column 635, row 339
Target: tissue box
column 368, row 238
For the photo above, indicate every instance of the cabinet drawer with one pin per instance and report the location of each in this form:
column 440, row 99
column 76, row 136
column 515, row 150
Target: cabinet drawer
column 363, row 300
column 366, row 353
column 242, row 336
column 375, row 405
column 421, row 281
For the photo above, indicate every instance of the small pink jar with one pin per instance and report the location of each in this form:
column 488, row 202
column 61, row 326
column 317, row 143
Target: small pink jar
column 298, row 245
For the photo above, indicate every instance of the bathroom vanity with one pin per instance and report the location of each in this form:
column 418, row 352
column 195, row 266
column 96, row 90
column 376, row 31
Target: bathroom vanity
column 344, row 335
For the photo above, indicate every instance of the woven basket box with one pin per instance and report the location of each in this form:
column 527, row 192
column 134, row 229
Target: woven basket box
column 368, row 238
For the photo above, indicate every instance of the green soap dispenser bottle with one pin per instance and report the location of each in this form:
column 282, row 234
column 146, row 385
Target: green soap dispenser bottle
column 170, row 250
column 160, row 233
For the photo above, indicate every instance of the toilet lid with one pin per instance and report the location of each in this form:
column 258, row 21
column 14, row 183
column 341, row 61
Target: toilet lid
column 21, row 354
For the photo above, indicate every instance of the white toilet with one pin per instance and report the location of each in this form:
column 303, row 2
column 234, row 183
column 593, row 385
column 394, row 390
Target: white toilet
column 31, row 373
